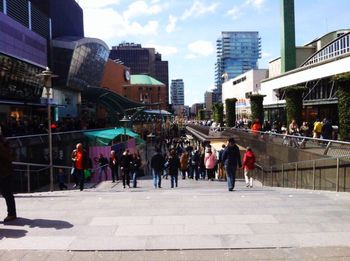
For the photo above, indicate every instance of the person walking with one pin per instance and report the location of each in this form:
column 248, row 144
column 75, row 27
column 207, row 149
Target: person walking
column 6, row 179
column 248, row 166
column 231, row 158
column 80, row 161
column 173, row 164
column 103, row 164
column 221, row 171
column 125, row 161
column 113, row 165
column 135, row 168
column 157, row 165
column 184, row 163
column 210, row 162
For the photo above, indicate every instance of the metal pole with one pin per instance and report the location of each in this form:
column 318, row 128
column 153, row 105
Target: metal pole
column 49, row 135
column 28, row 178
column 337, row 177
column 282, row 175
column 296, row 175
column 314, row 175
column 271, row 177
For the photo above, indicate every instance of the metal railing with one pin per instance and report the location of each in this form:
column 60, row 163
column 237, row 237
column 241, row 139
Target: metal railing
column 332, row 148
column 319, row 174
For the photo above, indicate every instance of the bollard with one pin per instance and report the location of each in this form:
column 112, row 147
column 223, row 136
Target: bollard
column 28, row 178
column 314, row 175
column 337, row 177
column 296, row 175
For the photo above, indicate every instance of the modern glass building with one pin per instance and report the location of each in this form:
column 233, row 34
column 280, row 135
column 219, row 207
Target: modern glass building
column 237, row 53
column 177, row 92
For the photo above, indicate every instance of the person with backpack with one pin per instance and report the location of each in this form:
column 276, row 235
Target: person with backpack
column 248, row 167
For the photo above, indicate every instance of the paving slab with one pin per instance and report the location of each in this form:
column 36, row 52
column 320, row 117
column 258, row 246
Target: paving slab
column 196, row 215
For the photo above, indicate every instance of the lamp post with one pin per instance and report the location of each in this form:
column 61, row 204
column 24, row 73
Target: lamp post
column 125, row 122
column 46, row 77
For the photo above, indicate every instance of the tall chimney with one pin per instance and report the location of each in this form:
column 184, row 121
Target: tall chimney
column 288, row 55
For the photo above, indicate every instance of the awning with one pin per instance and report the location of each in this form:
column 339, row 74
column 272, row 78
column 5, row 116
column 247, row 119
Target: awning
column 158, row 112
column 105, row 137
column 113, row 101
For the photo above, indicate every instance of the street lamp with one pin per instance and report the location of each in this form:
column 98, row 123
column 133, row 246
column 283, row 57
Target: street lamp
column 46, row 77
column 125, row 122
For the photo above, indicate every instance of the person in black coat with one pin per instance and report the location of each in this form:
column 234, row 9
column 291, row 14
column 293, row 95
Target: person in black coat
column 125, row 161
column 6, row 179
column 231, row 159
column 157, row 165
column 173, row 164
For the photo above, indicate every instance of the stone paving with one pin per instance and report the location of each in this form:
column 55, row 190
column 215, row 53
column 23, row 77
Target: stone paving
column 199, row 220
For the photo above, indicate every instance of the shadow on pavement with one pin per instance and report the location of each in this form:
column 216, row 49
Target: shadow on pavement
column 40, row 223
column 12, row 233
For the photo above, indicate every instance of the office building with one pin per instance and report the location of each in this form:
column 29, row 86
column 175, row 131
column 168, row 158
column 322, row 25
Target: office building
column 237, row 53
column 177, row 92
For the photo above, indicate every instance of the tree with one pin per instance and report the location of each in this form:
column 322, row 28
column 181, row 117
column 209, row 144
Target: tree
column 294, row 103
column 256, row 106
column 218, row 112
column 343, row 93
column 230, row 105
column 201, row 115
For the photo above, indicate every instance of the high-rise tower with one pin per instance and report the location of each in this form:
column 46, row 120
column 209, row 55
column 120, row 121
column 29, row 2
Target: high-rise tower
column 237, row 52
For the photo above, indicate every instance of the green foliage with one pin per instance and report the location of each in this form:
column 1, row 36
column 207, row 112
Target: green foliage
column 218, row 112
column 294, row 103
column 343, row 94
column 230, row 105
column 201, row 115
column 256, row 106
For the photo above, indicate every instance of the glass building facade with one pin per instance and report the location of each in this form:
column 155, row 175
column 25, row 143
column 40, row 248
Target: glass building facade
column 177, row 92
column 237, row 53
column 80, row 63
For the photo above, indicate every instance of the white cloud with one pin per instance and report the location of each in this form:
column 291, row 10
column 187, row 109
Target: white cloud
column 85, row 4
column 265, row 54
column 163, row 49
column 200, row 48
column 210, row 87
column 198, row 8
column 234, row 12
column 172, row 24
column 256, row 3
column 102, row 21
column 140, row 8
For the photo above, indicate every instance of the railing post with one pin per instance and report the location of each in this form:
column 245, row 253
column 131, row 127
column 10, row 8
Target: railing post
column 263, row 176
column 337, row 177
column 271, row 177
column 314, row 175
column 282, row 175
column 296, row 175
column 28, row 178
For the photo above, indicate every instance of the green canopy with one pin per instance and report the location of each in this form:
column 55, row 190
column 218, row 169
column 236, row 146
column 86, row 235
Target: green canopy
column 105, row 137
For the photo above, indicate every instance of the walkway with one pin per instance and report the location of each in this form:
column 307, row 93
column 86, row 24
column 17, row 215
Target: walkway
column 197, row 215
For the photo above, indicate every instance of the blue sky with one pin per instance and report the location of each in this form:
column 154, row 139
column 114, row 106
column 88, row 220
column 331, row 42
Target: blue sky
column 185, row 31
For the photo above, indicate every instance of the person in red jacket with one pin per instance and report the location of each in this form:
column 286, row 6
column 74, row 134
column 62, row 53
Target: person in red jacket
column 248, row 166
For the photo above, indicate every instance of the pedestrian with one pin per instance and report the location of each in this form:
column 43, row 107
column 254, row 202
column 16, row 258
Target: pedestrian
column 6, row 179
column 248, row 166
column 113, row 165
column 256, row 126
column 184, row 163
column 221, row 171
column 194, row 164
column 173, row 164
column 135, row 167
column 202, row 170
column 157, row 165
column 231, row 158
column 210, row 163
column 327, row 129
column 125, row 161
column 317, row 129
column 102, row 164
column 61, row 176
column 80, row 161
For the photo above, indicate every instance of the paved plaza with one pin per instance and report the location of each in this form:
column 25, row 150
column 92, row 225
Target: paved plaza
column 199, row 220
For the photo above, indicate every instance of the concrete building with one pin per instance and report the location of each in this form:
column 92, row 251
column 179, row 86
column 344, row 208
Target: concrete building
column 208, row 100
column 237, row 53
column 330, row 56
column 195, row 108
column 241, row 87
